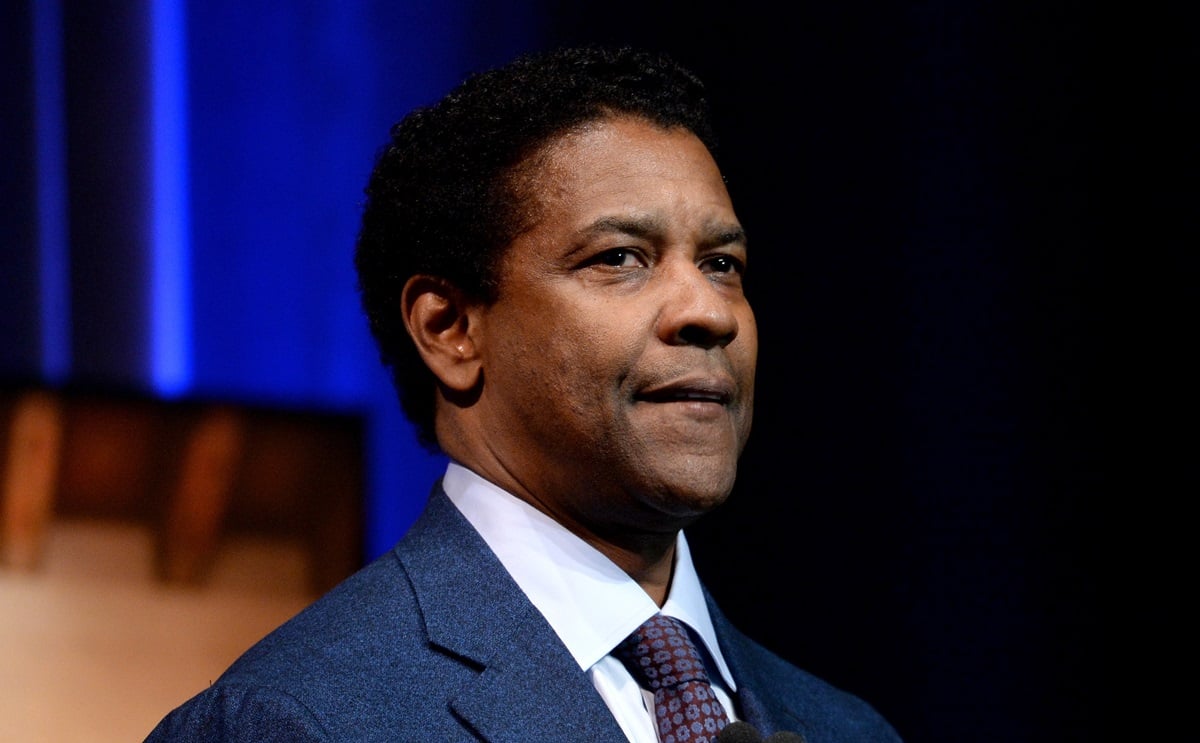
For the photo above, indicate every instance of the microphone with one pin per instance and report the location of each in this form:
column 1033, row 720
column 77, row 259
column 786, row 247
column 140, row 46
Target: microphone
column 739, row 732
column 744, row 732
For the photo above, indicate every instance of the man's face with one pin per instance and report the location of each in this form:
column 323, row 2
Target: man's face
column 618, row 359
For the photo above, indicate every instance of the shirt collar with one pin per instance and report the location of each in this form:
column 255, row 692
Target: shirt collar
column 590, row 602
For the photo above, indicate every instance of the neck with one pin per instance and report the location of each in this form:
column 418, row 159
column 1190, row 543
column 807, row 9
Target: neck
column 649, row 560
column 645, row 553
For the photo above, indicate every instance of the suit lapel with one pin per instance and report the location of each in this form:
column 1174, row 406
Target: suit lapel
column 756, row 702
column 529, row 687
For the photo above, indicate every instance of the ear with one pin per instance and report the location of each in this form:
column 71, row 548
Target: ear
column 438, row 318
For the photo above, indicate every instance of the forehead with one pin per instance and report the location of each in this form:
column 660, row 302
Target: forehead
column 620, row 159
column 622, row 134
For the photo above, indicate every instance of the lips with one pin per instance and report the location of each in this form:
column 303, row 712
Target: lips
column 714, row 390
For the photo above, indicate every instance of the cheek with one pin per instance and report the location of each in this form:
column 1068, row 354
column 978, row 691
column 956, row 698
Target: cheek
column 591, row 364
column 747, row 342
column 744, row 356
column 565, row 351
column 547, row 365
column 589, row 337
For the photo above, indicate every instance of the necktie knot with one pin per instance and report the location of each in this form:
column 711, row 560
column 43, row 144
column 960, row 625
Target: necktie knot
column 659, row 653
column 662, row 657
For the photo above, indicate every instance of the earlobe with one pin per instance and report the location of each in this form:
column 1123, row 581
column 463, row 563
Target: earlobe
column 436, row 315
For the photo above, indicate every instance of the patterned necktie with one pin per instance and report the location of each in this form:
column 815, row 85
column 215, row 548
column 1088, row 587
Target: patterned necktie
column 662, row 658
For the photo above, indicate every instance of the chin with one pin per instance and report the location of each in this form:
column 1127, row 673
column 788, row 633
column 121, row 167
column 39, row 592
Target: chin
column 693, row 493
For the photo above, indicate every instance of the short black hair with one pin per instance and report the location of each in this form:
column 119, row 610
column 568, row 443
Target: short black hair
column 443, row 198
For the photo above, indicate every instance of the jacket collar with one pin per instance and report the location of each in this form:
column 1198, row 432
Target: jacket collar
column 758, row 704
column 529, row 688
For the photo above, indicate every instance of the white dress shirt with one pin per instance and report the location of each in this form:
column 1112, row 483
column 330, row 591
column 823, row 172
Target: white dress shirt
column 590, row 602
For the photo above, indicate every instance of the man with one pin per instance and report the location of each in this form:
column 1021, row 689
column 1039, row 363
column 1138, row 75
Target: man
column 553, row 269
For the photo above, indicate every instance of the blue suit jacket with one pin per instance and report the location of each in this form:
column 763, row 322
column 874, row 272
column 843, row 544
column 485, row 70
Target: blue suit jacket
column 434, row 641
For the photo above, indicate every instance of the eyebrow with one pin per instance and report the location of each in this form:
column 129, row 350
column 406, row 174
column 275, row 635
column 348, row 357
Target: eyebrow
column 647, row 227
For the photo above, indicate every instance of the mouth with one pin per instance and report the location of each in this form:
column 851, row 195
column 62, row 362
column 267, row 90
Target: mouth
column 716, row 391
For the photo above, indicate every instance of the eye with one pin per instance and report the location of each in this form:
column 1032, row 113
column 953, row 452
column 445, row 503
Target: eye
column 723, row 264
column 618, row 258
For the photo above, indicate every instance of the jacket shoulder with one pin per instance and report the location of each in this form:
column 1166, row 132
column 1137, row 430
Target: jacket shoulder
column 232, row 713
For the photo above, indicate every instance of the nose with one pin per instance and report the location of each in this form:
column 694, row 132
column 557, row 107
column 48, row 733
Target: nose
column 696, row 311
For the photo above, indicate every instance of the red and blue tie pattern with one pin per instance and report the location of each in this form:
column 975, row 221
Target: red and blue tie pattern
column 662, row 658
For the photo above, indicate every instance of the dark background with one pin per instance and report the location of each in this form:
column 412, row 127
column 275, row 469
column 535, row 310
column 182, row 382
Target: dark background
column 917, row 516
